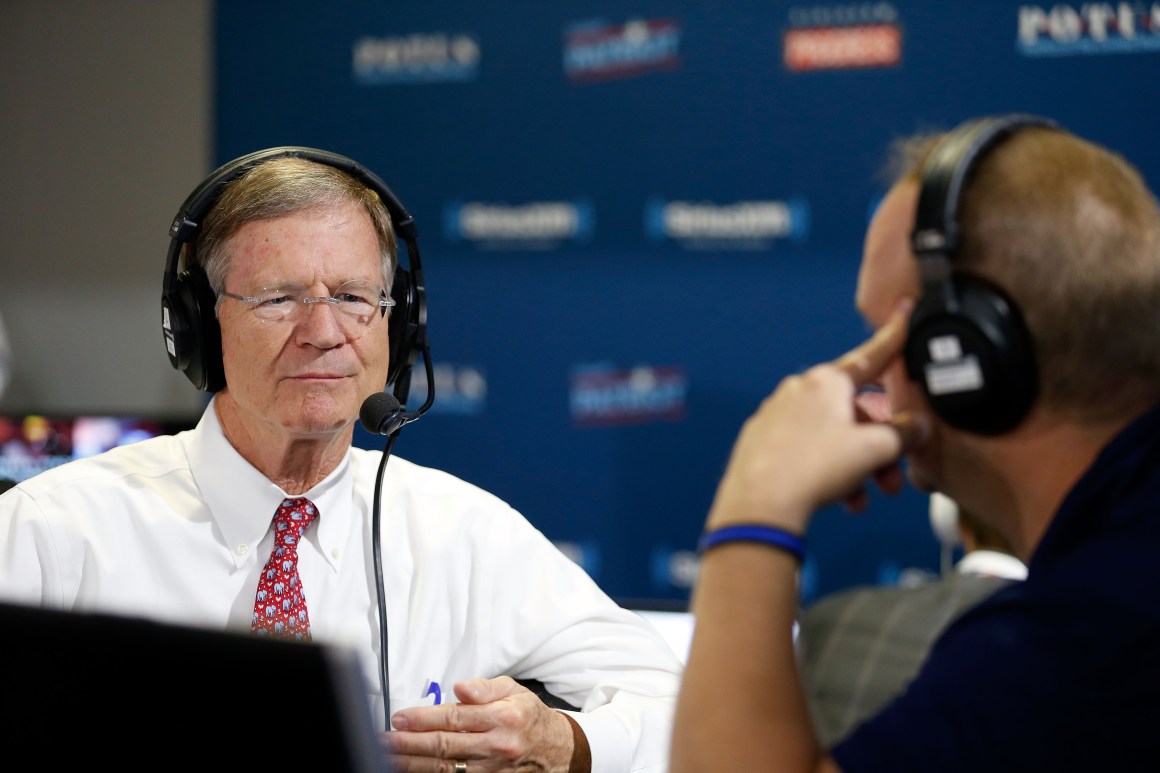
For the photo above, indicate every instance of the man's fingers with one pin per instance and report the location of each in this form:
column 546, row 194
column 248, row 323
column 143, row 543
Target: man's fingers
column 914, row 429
column 865, row 362
column 450, row 717
column 890, row 478
column 872, row 405
column 480, row 690
column 857, row 501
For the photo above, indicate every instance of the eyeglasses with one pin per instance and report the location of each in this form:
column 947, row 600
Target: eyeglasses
column 355, row 304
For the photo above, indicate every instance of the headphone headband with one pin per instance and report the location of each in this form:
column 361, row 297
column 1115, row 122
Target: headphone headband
column 189, row 321
column 187, row 222
column 946, row 173
column 967, row 345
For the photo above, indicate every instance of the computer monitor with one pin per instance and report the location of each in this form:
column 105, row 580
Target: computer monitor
column 82, row 689
column 32, row 442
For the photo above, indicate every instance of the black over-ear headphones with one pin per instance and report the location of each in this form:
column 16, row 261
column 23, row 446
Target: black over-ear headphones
column 967, row 345
column 188, row 321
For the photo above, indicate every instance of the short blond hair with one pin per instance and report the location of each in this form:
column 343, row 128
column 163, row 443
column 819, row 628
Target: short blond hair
column 1071, row 231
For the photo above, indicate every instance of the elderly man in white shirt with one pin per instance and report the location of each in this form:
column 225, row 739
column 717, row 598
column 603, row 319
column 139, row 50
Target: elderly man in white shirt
column 292, row 252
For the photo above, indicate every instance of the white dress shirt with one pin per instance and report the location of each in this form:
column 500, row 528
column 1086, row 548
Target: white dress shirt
column 177, row 529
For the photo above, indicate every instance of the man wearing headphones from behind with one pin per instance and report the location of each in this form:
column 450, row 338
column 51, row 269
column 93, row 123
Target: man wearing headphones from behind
column 283, row 312
column 1024, row 384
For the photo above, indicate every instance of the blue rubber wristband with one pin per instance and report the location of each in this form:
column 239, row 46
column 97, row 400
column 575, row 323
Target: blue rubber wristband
column 765, row 535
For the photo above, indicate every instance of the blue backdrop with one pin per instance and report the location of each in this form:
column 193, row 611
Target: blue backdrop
column 636, row 217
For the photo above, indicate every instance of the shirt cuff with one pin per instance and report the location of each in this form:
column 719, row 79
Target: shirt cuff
column 610, row 745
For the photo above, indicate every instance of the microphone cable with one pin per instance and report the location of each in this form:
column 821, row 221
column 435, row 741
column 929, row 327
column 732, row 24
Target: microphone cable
column 380, row 410
column 376, row 552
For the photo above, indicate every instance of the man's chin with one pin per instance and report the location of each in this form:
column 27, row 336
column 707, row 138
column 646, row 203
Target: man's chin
column 321, row 413
column 919, row 478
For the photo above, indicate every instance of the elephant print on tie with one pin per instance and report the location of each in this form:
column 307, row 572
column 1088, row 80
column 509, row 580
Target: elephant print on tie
column 280, row 605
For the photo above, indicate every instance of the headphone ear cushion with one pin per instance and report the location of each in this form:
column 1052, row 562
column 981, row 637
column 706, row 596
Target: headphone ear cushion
column 403, row 330
column 976, row 364
column 189, row 322
column 204, row 336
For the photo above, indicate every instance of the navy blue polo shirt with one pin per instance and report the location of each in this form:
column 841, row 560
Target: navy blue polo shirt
column 1062, row 671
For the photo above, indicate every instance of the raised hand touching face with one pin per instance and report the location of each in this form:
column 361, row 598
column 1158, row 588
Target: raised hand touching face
column 810, row 444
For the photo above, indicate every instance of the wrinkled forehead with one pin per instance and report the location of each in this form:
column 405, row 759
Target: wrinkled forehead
column 327, row 245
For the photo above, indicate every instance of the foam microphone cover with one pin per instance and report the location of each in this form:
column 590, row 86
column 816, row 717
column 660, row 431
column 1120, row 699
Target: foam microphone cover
column 377, row 410
column 944, row 519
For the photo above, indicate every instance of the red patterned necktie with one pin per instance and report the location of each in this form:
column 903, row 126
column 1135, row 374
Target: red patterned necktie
column 280, row 606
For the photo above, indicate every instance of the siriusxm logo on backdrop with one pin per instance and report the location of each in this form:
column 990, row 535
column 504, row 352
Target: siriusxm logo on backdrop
column 417, row 58
column 459, row 389
column 675, row 569
column 602, row 395
column 746, row 225
column 847, row 15
column 585, row 554
column 1088, row 28
column 595, row 50
column 535, row 225
column 836, row 37
column 670, row 568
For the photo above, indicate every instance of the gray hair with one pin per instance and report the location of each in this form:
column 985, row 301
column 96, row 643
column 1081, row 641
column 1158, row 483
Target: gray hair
column 280, row 187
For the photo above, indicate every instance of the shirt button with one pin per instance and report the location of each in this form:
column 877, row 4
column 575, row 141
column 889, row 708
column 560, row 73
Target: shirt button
column 242, row 549
column 335, row 553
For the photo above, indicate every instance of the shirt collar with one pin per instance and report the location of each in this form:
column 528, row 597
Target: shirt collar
column 992, row 563
column 242, row 501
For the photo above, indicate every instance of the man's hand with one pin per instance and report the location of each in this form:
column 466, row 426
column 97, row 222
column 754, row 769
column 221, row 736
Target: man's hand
column 872, row 405
column 809, row 444
column 497, row 726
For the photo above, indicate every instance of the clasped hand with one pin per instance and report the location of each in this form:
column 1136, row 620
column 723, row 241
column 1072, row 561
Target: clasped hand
column 498, row 725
